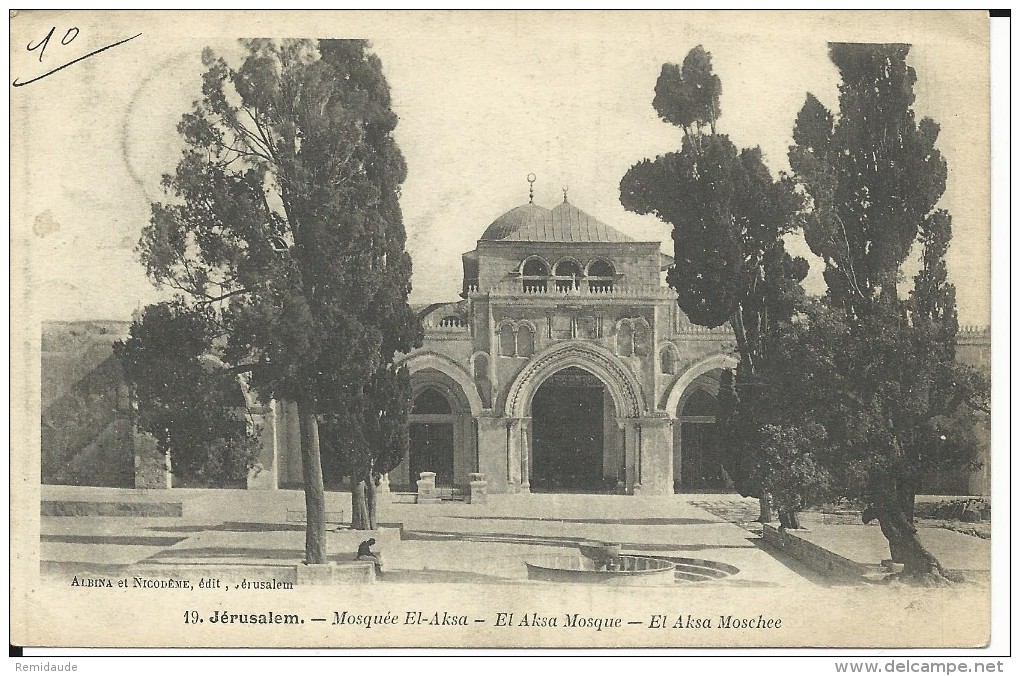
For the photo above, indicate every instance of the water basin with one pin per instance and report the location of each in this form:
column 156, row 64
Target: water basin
column 629, row 570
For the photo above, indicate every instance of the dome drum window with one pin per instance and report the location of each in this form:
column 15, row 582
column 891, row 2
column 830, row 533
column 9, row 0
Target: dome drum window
column 535, row 276
column 601, row 275
column 568, row 276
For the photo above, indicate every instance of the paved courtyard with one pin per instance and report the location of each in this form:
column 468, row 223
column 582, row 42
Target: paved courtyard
column 447, row 542
column 457, row 542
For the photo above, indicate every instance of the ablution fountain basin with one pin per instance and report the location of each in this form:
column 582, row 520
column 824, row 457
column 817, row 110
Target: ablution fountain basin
column 599, row 563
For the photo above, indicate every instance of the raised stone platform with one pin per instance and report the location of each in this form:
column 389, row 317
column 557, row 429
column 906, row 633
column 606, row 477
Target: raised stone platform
column 850, row 552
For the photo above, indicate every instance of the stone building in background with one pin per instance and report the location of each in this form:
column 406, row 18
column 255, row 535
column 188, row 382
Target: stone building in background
column 566, row 365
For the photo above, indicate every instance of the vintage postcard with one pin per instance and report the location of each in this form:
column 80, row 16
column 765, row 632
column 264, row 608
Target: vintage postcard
column 508, row 329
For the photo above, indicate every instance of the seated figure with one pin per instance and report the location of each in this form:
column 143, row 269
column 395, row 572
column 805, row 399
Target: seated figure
column 365, row 553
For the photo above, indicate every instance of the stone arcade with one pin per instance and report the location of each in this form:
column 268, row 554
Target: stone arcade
column 566, row 365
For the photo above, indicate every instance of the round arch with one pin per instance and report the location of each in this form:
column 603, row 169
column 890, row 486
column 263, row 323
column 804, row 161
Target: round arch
column 676, row 392
column 568, row 259
column 621, row 384
column 536, row 257
column 599, row 259
column 433, row 360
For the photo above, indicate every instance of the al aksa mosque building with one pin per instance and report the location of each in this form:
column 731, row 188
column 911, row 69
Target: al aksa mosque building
column 566, row 365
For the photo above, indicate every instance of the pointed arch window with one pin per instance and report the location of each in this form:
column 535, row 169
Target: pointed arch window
column 525, row 341
column 481, row 373
column 625, row 339
column 507, row 341
column 667, row 361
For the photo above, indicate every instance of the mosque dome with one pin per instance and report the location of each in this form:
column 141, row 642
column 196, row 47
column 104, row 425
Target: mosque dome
column 564, row 223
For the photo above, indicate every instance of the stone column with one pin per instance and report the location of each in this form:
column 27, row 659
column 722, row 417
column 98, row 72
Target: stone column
column 655, row 456
column 628, row 440
column 265, row 474
column 513, row 457
column 492, row 453
column 525, row 455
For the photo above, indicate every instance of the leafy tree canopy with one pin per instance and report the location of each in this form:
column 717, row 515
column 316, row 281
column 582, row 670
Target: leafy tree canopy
column 282, row 229
column 872, row 172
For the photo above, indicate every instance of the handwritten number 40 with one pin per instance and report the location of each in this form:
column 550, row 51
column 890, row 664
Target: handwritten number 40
column 68, row 38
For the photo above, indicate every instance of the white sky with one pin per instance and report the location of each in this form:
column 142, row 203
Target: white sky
column 484, row 99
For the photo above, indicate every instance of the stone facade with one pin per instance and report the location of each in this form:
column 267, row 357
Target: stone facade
column 565, row 365
column 545, row 291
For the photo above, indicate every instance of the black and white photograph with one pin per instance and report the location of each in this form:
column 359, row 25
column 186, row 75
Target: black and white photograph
column 502, row 329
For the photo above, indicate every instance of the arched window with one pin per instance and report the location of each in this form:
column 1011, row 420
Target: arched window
column 568, row 275
column 481, row 367
column 431, row 400
column 700, row 404
column 534, row 275
column 601, row 275
column 667, row 361
column 642, row 338
column 625, row 339
column 507, row 341
column 525, row 341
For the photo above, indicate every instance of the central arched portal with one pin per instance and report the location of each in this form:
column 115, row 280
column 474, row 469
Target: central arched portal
column 574, row 435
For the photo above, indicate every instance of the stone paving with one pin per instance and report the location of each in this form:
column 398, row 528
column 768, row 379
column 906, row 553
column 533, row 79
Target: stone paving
column 453, row 541
column 440, row 543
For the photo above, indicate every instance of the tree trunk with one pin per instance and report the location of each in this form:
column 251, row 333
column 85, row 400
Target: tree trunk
column 359, row 505
column 789, row 519
column 355, row 504
column 919, row 565
column 764, row 509
column 906, row 493
column 372, row 502
column 315, row 497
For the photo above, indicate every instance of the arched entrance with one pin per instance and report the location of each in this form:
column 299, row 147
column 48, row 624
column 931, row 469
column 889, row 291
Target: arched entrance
column 432, row 438
column 622, row 407
column 698, row 460
column 701, row 462
column 573, row 434
column 441, row 427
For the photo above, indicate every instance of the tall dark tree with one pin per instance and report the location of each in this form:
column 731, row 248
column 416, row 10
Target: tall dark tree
column 897, row 405
column 729, row 218
column 873, row 173
column 283, row 225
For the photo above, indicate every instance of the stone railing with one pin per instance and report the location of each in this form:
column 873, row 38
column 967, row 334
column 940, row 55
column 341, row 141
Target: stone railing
column 445, row 324
column 972, row 332
column 687, row 329
column 581, row 290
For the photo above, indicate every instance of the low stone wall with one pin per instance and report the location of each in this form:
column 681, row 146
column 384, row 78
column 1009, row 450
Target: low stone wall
column 126, row 508
column 817, row 558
